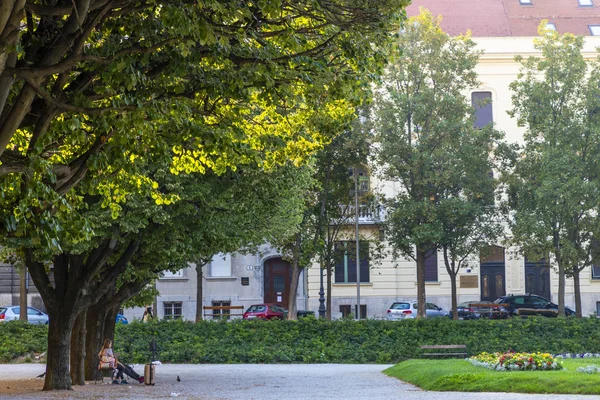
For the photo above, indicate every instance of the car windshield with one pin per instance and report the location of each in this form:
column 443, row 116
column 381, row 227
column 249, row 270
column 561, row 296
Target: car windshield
column 2, row 310
column 465, row 304
column 498, row 301
column 256, row 308
column 400, row 306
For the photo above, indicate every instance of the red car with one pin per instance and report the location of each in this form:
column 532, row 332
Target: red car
column 266, row 311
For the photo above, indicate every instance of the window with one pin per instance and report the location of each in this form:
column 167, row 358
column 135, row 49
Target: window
column 245, row 281
column 173, row 309
column 345, row 262
column 431, row 266
column 595, row 271
column 586, row 3
column 221, row 313
column 525, row 2
column 347, row 311
column 551, row 25
column 597, row 309
column 492, row 254
column 172, row 275
column 220, row 265
column 594, row 30
column 482, row 103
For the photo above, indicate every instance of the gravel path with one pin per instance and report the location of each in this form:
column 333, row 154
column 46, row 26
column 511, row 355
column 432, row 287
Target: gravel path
column 247, row 382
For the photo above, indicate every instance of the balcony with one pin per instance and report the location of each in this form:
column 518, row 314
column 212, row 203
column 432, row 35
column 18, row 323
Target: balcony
column 367, row 214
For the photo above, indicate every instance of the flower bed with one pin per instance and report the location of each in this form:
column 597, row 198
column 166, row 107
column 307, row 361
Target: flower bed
column 511, row 361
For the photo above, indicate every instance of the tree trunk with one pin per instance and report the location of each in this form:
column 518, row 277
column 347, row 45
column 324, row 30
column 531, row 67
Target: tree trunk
column 23, row 293
column 59, row 348
column 292, row 306
column 421, row 283
column 577, row 288
column 452, row 272
column 199, row 292
column 561, row 289
column 328, row 294
column 78, row 350
column 94, row 338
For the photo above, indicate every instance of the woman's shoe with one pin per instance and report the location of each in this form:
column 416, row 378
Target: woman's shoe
column 141, row 379
column 124, row 382
column 115, row 382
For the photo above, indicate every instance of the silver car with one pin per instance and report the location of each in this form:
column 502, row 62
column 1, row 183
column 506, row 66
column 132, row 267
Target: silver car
column 400, row 310
column 34, row 316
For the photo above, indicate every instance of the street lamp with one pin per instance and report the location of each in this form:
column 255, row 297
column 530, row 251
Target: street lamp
column 357, row 243
column 321, row 297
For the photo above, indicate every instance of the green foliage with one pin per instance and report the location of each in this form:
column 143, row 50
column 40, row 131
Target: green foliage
column 311, row 340
column 459, row 375
column 554, row 190
column 18, row 339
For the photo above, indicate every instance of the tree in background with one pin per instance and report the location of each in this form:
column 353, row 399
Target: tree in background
column 422, row 123
column 555, row 189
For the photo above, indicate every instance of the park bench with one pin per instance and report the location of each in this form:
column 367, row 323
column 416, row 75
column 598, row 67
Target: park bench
column 222, row 314
column 444, row 350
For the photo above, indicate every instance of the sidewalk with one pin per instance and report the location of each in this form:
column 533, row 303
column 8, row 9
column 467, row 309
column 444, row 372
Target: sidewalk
column 247, row 382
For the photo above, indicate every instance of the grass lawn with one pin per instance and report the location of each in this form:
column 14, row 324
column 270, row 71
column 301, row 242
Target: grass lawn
column 460, row 375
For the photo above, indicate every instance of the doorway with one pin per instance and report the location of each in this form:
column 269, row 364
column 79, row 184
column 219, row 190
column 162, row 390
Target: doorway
column 492, row 273
column 277, row 279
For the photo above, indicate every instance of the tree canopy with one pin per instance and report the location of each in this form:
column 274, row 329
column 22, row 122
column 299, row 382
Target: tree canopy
column 555, row 190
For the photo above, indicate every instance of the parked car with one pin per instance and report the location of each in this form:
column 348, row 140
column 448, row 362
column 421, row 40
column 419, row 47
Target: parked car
column 121, row 319
column 465, row 311
column 34, row 316
column 530, row 304
column 400, row 310
column 266, row 311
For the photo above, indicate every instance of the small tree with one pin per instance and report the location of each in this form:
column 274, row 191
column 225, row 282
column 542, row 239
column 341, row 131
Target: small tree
column 555, row 189
column 421, row 123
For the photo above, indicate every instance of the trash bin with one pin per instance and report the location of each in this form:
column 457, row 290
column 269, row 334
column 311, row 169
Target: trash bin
column 305, row 313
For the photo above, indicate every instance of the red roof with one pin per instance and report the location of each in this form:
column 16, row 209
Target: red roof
column 508, row 17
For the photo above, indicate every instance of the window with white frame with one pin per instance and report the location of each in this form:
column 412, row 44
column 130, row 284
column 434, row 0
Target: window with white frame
column 220, row 265
column 172, row 275
column 586, row 3
column 173, row 309
column 551, row 25
column 595, row 271
column 525, row 2
column 594, row 30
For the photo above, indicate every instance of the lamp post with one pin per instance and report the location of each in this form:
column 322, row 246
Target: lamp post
column 321, row 297
column 357, row 243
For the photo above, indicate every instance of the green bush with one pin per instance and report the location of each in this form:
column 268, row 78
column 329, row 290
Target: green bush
column 311, row 340
column 19, row 339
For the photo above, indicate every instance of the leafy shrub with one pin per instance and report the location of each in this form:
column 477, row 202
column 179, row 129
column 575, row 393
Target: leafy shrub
column 311, row 340
column 19, row 339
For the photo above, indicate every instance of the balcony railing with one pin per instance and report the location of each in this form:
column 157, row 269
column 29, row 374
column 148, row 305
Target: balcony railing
column 367, row 214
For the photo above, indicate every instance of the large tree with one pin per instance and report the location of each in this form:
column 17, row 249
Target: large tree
column 421, row 120
column 555, row 188
column 89, row 90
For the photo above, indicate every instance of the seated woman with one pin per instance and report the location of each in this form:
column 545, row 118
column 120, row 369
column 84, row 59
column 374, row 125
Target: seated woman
column 107, row 355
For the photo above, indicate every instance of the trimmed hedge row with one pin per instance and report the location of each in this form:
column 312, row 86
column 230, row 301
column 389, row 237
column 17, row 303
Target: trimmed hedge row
column 310, row 340
column 19, row 339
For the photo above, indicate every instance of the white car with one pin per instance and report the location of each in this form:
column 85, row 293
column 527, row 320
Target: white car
column 400, row 310
column 34, row 316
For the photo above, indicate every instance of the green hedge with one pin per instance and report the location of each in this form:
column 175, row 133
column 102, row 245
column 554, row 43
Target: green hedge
column 317, row 341
column 20, row 339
